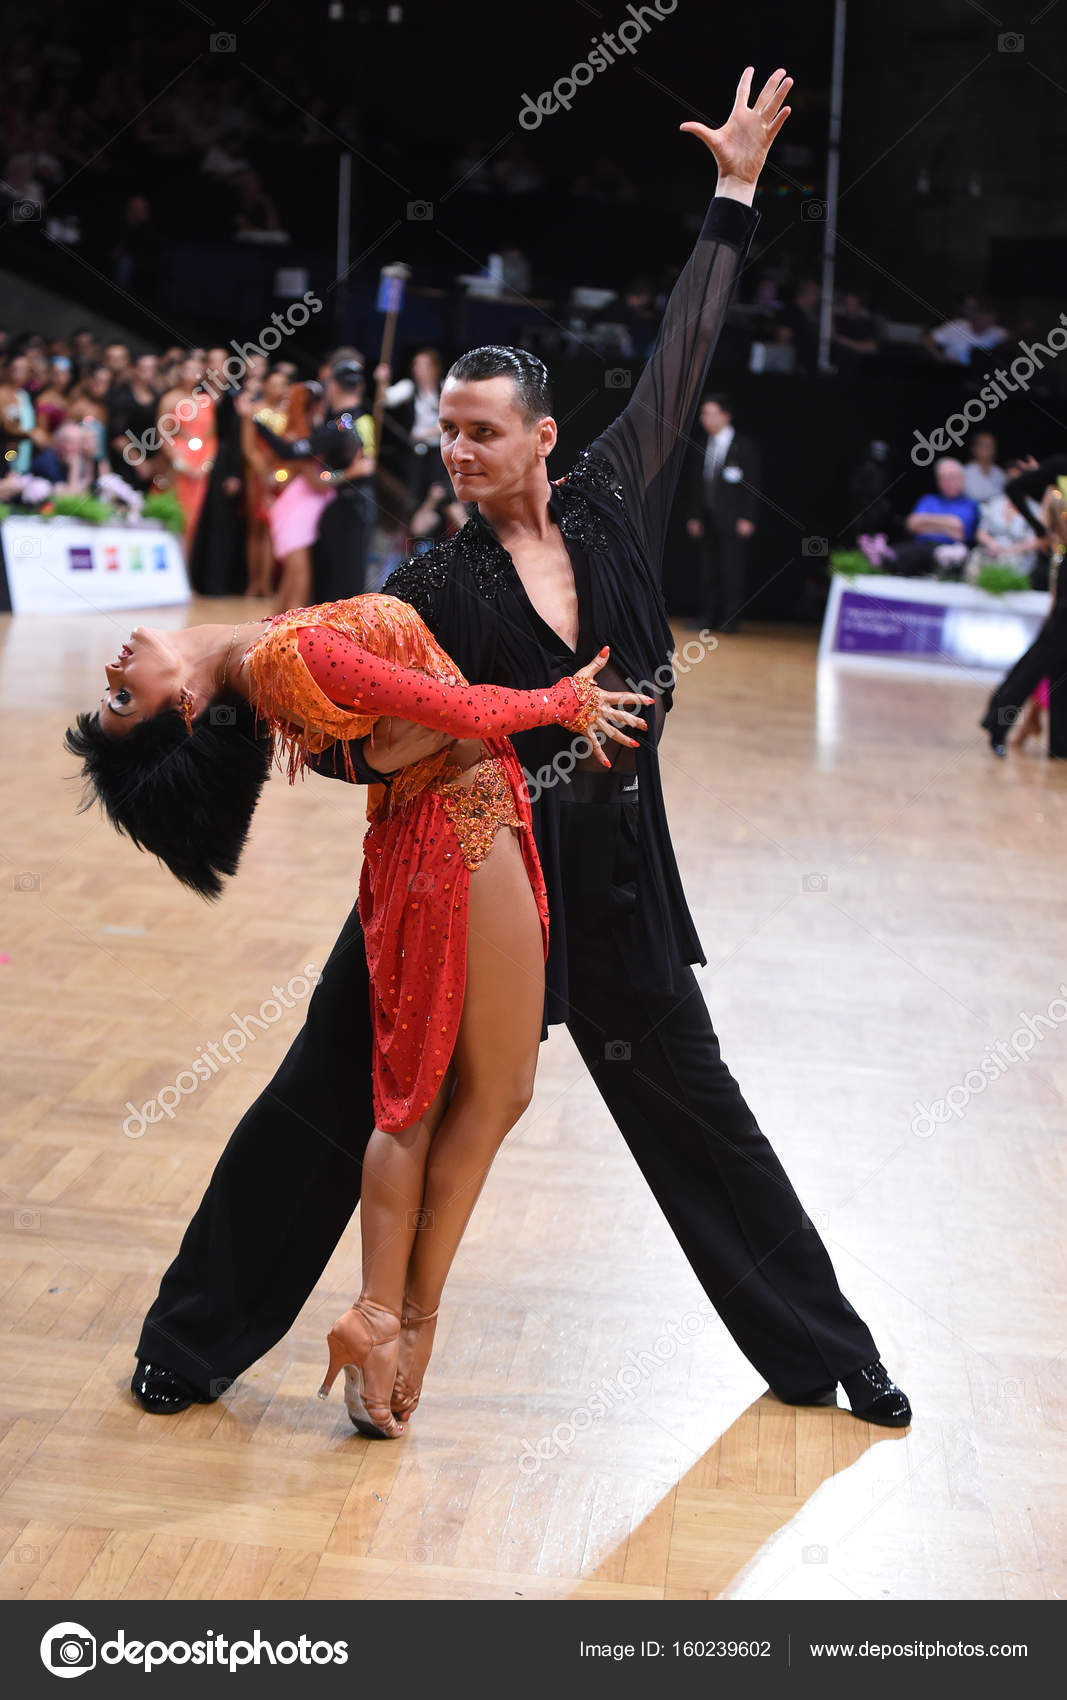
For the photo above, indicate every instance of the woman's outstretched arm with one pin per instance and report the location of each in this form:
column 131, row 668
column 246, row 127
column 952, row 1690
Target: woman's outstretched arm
column 353, row 677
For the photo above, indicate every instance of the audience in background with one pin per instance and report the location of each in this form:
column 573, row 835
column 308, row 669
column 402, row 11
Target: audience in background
column 854, row 338
column 982, row 477
column 975, row 328
column 409, row 425
column 1004, row 536
column 942, row 524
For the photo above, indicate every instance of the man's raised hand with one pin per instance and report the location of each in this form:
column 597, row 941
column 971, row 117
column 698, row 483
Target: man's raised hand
column 742, row 144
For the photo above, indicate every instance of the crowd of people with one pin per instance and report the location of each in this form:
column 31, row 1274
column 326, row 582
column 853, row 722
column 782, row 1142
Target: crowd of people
column 277, row 477
column 966, row 522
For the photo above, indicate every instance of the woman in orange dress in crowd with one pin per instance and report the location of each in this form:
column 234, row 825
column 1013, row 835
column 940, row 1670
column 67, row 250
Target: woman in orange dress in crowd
column 451, row 899
column 273, row 405
column 188, row 439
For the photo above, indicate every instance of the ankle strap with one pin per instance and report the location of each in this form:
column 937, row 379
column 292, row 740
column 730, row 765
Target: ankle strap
column 412, row 1316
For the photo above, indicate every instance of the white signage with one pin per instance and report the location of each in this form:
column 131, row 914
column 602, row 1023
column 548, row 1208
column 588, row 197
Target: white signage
column 63, row 566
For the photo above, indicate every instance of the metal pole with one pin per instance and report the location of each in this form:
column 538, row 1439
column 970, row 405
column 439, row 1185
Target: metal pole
column 833, row 171
column 344, row 212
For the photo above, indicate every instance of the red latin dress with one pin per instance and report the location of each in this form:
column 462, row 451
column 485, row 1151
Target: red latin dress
column 324, row 675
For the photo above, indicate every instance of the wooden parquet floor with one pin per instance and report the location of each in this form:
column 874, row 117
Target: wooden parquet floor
column 881, row 905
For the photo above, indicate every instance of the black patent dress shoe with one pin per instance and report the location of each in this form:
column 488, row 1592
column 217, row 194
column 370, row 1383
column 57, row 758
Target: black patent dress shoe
column 996, row 735
column 876, row 1399
column 162, row 1391
column 821, row 1396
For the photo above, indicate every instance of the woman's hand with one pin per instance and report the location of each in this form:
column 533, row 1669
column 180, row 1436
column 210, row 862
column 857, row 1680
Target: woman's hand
column 612, row 715
column 742, row 144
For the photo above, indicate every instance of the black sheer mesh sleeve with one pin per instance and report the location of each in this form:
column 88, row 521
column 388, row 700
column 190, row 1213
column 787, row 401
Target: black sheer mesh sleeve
column 1033, row 484
column 331, row 764
column 647, row 443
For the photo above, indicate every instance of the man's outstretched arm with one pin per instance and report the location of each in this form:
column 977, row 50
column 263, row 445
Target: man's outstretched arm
column 648, row 441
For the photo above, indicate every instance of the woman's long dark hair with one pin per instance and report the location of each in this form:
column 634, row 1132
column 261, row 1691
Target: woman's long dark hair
column 188, row 797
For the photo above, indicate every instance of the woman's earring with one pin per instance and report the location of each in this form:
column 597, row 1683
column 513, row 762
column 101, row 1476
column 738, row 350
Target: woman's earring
column 186, row 702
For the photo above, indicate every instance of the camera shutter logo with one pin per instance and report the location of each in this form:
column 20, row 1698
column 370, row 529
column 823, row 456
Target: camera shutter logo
column 68, row 1649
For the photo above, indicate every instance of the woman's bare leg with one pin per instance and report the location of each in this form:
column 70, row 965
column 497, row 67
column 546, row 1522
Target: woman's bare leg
column 366, row 1340
column 294, row 588
column 259, row 557
column 391, row 1193
column 495, row 1060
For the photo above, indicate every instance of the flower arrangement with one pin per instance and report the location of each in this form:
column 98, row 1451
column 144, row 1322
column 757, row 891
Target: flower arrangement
column 164, row 506
column 999, row 577
column 852, row 563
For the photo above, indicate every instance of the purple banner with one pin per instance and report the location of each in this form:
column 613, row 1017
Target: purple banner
column 80, row 559
column 875, row 625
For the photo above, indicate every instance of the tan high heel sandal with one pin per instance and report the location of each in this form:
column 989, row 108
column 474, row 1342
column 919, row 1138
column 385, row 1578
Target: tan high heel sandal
column 364, row 1343
column 417, row 1329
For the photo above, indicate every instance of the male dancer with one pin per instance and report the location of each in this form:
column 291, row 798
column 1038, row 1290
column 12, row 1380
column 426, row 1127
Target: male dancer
column 1047, row 656
column 538, row 574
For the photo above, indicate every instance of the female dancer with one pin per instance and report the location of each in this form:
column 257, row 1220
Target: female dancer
column 191, row 449
column 272, row 403
column 294, row 516
column 454, row 909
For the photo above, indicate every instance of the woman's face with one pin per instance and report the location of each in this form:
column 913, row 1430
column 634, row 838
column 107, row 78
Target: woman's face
column 99, row 383
column 60, row 376
column 192, row 370
column 145, row 677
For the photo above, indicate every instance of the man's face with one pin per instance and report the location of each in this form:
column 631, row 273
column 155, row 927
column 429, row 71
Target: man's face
column 147, row 369
column 488, row 449
column 950, row 479
column 116, row 357
column 713, row 417
column 343, row 400
column 68, row 443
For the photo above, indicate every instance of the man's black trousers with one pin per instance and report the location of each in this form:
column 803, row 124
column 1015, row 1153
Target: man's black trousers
column 1045, row 659
column 288, row 1181
column 724, row 575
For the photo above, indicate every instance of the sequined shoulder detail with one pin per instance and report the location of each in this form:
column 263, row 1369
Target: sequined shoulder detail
column 594, row 472
column 579, row 520
column 417, row 581
column 420, row 578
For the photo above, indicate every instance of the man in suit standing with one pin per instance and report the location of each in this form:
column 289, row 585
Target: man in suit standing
column 723, row 509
